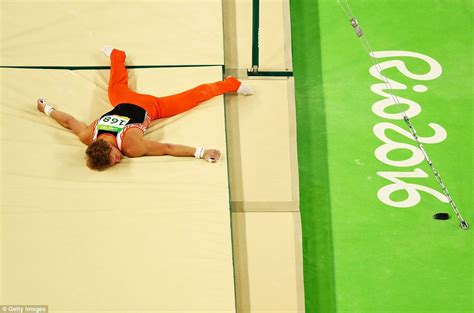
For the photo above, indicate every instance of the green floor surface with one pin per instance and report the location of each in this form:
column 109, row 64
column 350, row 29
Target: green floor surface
column 363, row 253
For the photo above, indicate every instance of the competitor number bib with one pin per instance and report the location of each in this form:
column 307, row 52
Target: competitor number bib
column 114, row 123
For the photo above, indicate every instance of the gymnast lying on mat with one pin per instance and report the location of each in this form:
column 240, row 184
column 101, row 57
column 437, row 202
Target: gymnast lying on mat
column 120, row 131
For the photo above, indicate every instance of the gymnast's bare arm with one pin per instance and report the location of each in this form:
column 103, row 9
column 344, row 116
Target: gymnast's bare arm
column 80, row 129
column 136, row 146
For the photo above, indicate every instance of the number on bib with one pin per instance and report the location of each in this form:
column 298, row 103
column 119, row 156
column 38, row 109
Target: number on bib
column 112, row 123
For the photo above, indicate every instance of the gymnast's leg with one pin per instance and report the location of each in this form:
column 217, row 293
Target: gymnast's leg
column 179, row 103
column 118, row 82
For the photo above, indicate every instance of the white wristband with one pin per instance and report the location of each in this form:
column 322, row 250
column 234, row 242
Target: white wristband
column 47, row 108
column 199, row 152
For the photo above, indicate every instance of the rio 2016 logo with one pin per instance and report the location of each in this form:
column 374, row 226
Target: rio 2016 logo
column 380, row 109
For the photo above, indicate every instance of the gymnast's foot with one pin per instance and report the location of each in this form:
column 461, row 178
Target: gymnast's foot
column 245, row 90
column 107, row 50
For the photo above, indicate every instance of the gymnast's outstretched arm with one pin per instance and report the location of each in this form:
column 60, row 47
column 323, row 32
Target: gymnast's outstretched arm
column 80, row 129
column 149, row 147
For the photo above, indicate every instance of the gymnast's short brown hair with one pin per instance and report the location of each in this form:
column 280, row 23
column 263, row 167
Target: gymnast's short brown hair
column 98, row 155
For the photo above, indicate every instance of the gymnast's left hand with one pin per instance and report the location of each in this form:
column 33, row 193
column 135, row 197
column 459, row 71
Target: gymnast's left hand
column 211, row 155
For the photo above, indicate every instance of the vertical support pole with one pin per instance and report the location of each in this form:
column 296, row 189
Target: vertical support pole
column 255, row 34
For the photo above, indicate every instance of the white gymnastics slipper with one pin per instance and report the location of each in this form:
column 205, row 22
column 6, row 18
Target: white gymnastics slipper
column 245, row 90
column 107, row 50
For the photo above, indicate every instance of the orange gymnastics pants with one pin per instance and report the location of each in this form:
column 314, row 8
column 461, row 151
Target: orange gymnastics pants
column 160, row 107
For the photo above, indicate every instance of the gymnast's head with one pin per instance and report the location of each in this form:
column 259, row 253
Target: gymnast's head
column 102, row 155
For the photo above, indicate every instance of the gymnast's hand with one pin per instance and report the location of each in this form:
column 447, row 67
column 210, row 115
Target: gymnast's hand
column 211, row 155
column 40, row 104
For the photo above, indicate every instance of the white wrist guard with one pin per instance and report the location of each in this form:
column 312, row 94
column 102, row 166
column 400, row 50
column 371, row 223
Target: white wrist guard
column 47, row 108
column 199, row 152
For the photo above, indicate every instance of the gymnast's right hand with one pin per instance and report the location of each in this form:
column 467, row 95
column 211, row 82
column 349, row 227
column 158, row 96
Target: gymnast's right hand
column 40, row 103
